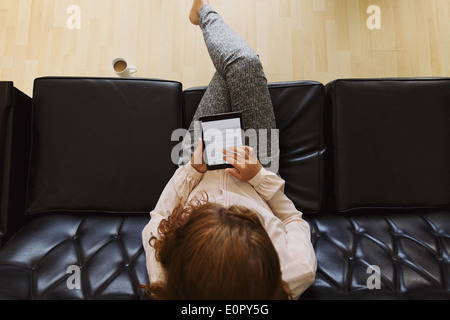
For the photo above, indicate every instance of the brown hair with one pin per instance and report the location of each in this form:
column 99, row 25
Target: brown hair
column 212, row 252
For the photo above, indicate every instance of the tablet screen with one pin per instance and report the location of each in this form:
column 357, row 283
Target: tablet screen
column 220, row 132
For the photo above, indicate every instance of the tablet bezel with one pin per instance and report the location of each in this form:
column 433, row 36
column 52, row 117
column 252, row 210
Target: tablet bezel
column 219, row 117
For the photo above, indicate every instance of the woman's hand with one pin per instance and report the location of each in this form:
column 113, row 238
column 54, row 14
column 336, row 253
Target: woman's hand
column 243, row 159
column 197, row 161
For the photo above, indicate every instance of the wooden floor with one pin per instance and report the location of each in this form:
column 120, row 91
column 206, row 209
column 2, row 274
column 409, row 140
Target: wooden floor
column 296, row 39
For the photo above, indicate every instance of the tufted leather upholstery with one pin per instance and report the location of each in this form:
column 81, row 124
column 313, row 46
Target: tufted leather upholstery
column 410, row 245
column 413, row 253
column 107, row 249
column 411, row 248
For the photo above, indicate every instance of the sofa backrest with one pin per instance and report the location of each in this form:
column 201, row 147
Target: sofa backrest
column 369, row 143
column 5, row 147
column 100, row 144
column 390, row 143
column 15, row 117
column 298, row 107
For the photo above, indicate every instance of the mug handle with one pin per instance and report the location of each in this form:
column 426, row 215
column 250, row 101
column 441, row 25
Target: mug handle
column 132, row 69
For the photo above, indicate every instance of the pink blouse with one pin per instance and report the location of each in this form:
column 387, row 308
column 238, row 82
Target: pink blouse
column 264, row 194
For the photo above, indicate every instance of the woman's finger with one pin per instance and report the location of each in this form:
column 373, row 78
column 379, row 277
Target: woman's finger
column 250, row 151
column 235, row 163
column 198, row 153
column 244, row 152
column 234, row 173
column 237, row 157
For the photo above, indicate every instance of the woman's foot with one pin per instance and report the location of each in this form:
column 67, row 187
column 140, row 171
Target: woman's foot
column 197, row 5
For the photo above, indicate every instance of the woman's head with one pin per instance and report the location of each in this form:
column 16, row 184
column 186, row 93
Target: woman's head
column 212, row 252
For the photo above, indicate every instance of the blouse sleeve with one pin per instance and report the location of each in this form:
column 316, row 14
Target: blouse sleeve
column 289, row 232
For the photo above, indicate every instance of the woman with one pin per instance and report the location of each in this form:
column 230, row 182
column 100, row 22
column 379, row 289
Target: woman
column 228, row 234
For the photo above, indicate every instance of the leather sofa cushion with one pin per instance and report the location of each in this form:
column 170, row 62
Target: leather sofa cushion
column 101, row 144
column 107, row 249
column 391, row 141
column 298, row 108
column 412, row 251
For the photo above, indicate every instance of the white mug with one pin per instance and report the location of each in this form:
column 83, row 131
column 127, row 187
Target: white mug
column 122, row 69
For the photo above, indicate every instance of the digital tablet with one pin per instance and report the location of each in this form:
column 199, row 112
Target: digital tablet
column 220, row 132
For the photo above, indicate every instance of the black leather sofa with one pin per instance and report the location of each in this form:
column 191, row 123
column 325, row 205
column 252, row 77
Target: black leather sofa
column 84, row 160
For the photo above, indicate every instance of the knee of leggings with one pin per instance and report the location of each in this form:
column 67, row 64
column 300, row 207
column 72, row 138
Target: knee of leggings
column 247, row 64
column 251, row 60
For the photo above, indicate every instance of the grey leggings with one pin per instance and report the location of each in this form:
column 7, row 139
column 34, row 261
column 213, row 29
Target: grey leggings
column 239, row 84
